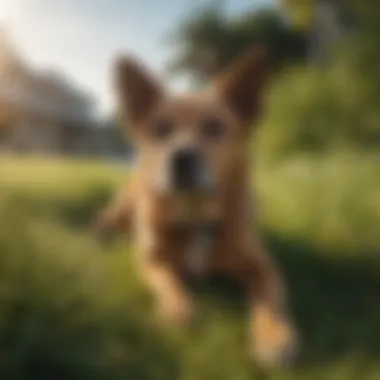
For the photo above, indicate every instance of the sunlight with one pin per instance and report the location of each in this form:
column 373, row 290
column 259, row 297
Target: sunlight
column 6, row 8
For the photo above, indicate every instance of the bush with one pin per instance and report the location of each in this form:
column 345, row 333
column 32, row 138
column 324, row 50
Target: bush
column 319, row 108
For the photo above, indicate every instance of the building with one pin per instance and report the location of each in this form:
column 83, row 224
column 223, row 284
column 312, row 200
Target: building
column 43, row 112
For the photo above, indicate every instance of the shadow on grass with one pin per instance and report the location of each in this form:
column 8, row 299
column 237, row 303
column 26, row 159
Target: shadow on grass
column 334, row 297
column 40, row 347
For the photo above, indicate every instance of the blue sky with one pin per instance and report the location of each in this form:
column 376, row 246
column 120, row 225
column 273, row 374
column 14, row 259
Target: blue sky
column 81, row 36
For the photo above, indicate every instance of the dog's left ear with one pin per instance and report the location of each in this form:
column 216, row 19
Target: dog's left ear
column 138, row 92
column 241, row 85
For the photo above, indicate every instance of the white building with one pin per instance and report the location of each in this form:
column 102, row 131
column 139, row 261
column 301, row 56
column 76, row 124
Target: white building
column 42, row 111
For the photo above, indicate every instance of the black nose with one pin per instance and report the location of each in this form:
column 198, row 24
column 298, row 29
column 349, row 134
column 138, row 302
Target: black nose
column 186, row 167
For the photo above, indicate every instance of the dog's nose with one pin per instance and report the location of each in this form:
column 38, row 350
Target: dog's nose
column 186, row 168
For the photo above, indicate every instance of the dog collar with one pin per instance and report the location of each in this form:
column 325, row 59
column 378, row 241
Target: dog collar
column 205, row 236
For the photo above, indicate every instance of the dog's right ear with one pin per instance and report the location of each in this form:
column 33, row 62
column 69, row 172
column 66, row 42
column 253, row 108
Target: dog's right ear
column 242, row 84
column 137, row 91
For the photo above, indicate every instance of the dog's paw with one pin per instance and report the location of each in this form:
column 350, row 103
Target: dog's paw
column 274, row 341
column 178, row 313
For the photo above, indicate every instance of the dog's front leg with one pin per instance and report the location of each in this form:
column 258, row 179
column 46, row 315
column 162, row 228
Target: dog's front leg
column 173, row 301
column 117, row 214
column 272, row 335
column 159, row 265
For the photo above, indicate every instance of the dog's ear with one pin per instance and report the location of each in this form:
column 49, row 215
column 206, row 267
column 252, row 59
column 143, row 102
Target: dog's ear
column 138, row 92
column 241, row 85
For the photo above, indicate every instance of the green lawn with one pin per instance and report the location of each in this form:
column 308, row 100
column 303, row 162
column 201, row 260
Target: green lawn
column 72, row 308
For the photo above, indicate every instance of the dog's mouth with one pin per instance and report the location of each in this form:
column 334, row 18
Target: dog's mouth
column 193, row 209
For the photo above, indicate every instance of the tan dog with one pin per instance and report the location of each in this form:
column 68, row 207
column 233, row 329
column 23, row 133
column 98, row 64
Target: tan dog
column 194, row 171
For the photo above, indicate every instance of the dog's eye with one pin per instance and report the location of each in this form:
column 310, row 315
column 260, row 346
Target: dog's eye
column 213, row 129
column 161, row 129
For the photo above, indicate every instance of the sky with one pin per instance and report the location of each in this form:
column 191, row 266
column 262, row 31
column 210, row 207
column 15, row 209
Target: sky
column 80, row 37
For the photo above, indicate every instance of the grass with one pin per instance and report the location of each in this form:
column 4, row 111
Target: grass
column 71, row 308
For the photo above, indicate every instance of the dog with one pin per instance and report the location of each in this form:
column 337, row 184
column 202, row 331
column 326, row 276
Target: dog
column 189, row 203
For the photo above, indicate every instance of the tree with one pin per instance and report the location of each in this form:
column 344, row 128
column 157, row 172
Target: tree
column 327, row 22
column 210, row 39
column 332, row 105
column 300, row 12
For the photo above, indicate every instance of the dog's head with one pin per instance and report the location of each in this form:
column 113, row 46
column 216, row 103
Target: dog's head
column 191, row 143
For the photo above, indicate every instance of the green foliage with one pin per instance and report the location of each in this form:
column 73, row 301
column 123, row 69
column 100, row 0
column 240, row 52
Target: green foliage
column 319, row 108
column 301, row 12
column 210, row 39
column 71, row 309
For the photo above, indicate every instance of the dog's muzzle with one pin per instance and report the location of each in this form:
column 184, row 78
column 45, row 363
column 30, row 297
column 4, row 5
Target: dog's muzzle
column 188, row 171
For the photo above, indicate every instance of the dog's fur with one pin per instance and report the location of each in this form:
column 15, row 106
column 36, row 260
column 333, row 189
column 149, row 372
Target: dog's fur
column 238, row 252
